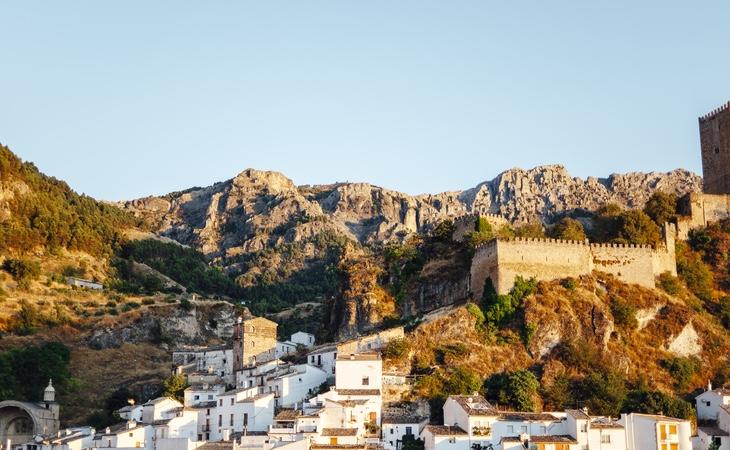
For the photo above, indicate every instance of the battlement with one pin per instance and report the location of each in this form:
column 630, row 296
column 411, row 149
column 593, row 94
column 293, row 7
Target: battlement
column 714, row 112
column 503, row 260
column 467, row 223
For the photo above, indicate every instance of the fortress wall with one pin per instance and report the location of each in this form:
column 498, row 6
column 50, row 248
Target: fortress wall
column 483, row 266
column 544, row 259
column 698, row 210
column 629, row 263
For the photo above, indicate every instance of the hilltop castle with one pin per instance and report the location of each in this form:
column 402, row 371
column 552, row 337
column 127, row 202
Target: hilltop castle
column 503, row 260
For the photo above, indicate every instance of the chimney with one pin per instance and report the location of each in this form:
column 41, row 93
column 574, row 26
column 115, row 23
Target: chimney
column 709, row 385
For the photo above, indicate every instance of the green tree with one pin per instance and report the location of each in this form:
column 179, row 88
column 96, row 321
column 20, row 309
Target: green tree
column 682, row 370
column 604, row 392
column 635, row 227
column 568, row 229
column 175, row 387
column 661, row 207
column 530, row 230
column 695, row 273
column 558, row 395
column 518, row 389
column 647, row 401
column 22, row 270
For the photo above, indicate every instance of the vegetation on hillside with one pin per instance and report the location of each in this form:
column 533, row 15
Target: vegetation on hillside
column 25, row 371
column 41, row 211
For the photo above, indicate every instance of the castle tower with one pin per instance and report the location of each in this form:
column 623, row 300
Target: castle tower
column 254, row 341
column 715, row 146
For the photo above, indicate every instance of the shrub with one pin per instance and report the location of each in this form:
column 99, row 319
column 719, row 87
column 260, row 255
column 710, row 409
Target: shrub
column 569, row 283
column 724, row 311
column 695, row 273
column 462, row 381
column 681, row 369
column 478, row 315
column 624, row 313
column 530, row 230
column 175, row 387
column 646, row 401
column 669, row 283
column 396, row 349
column 185, row 304
column 603, row 392
column 22, row 270
column 500, row 309
column 148, row 301
column 636, row 227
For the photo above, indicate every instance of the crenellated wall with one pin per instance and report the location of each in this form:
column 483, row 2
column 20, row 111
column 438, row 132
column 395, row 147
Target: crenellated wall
column 546, row 259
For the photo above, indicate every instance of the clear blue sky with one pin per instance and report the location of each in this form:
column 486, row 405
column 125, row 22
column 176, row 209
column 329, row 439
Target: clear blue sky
column 125, row 99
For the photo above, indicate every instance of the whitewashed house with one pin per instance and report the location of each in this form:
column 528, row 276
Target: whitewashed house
column 324, row 357
column 444, row 437
column 656, row 432
column 77, row 438
column 302, row 338
column 126, row 435
column 395, row 427
column 86, row 284
column 295, row 384
column 595, row 432
column 131, row 412
column 285, row 348
column 238, row 411
column 715, row 432
column 709, row 402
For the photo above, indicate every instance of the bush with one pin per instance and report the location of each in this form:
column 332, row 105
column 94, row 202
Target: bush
column 695, row 273
column 569, row 283
column 500, row 309
column 646, row 401
column 724, row 311
column 396, row 349
column 682, row 370
column 22, row 270
column 669, row 283
column 478, row 315
column 624, row 313
column 530, row 230
column 635, row 227
column 603, row 393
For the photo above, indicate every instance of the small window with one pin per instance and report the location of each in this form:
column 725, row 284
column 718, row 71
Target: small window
column 717, row 150
column 230, row 422
column 391, row 431
column 409, row 431
column 510, row 429
column 220, row 402
column 365, row 381
column 452, row 440
column 231, row 401
column 605, row 439
column 197, row 397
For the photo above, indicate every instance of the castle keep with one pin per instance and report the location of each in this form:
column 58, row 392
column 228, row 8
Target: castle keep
column 503, row 261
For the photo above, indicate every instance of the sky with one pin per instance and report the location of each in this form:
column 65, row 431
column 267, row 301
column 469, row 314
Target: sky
column 135, row 98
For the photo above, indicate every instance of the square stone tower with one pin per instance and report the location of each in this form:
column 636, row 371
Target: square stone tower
column 254, row 342
column 715, row 146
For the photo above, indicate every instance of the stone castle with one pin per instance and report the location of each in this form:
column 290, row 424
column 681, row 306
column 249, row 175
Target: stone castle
column 503, row 260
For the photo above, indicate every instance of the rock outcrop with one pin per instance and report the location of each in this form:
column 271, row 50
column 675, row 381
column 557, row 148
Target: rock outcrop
column 257, row 209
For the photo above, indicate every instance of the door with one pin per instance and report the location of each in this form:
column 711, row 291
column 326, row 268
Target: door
column 373, row 416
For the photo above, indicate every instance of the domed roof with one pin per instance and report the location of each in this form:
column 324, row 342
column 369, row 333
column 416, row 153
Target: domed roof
column 50, row 387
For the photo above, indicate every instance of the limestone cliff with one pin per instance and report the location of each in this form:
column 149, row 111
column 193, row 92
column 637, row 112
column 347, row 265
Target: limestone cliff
column 257, row 210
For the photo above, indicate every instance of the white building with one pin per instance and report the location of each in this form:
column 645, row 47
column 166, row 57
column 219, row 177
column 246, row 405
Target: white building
column 82, row 283
column 444, row 437
column 716, row 431
column 709, row 402
column 216, row 361
column 131, row 412
column 238, row 411
column 285, row 348
column 302, row 338
column 324, row 357
column 395, row 427
column 655, row 432
column 125, row 435
column 77, row 438
column 295, row 384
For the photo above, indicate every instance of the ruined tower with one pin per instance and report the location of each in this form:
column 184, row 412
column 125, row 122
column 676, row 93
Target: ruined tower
column 715, row 145
column 254, row 341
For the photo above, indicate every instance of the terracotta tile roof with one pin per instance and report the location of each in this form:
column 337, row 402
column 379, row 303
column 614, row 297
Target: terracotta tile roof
column 442, row 430
column 401, row 419
column 339, row 431
column 475, row 405
column 604, row 422
column 334, row 447
column 358, row 391
column 220, row 445
column 255, row 397
column 547, row 439
column 713, row 431
column 578, row 414
column 287, row 415
column 522, row 416
column 350, row 403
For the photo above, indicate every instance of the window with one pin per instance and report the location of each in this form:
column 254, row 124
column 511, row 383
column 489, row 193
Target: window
column 672, row 430
column 708, row 403
column 210, row 397
column 245, row 419
column 392, row 431
column 207, row 412
column 197, row 397
column 220, row 420
column 365, row 381
column 409, row 431
column 584, row 427
column 138, row 444
column 312, row 359
column 452, row 440
column 231, row 401
column 230, row 422
column 605, row 439
column 220, row 402
column 510, row 429
column 131, row 434
column 543, row 430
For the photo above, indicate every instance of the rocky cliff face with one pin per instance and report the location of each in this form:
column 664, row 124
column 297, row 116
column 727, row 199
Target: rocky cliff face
column 258, row 210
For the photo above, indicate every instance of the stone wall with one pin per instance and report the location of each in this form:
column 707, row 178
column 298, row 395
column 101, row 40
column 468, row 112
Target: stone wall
column 697, row 210
column 546, row 259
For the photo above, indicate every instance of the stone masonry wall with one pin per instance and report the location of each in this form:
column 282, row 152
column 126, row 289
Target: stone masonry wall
column 467, row 223
column 715, row 145
column 546, row 259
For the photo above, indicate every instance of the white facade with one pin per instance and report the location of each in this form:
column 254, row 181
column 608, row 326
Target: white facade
column 236, row 411
column 653, row 432
column 437, row 437
column 131, row 412
column 296, row 384
column 302, row 338
column 394, row 429
column 285, row 348
column 709, row 402
column 324, row 358
column 125, row 436
column 359, row 371
column 88, row 284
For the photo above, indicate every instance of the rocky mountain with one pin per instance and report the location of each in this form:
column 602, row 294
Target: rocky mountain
column 257, row 210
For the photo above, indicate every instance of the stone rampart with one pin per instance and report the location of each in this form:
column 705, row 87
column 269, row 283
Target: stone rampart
column 465, row 224
column 503, row 261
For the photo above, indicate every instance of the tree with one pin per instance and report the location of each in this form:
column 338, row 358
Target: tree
column 681, row 369
column 530, row 230
column 661, row 207
column 635, row 227
column 518, row 389
column 22, row 270
column 175, row 387
column 604, row 393
column 568, row 229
